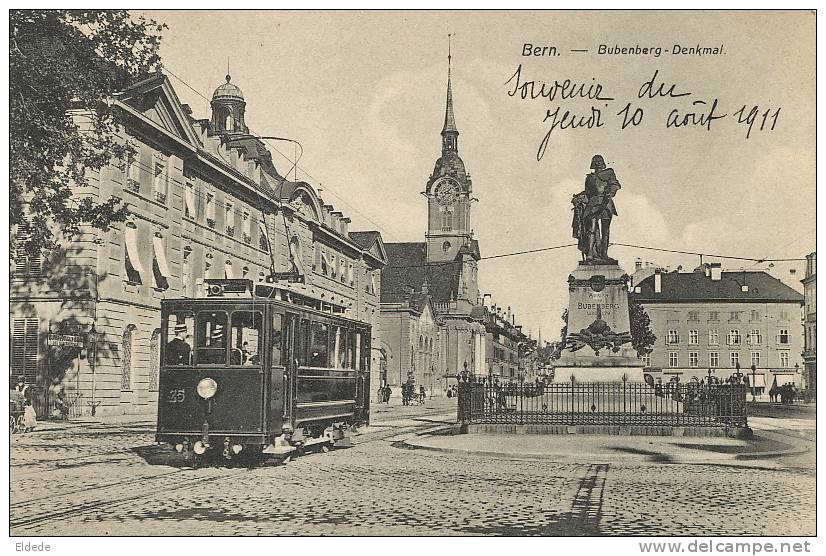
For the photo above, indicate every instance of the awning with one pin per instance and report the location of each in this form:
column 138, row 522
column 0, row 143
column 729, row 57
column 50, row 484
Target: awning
column 160, row 256
column 263, row 227
column 756, row 381
column 189, row 198
column 131, row 235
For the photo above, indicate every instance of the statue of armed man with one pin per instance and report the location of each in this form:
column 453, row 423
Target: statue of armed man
column 593, row 210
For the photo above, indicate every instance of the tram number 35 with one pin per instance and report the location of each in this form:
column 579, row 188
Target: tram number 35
column 176, row 395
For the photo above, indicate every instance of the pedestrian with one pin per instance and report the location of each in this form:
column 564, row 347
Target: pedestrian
column 387, row 393
column 422, row 394
column 29, row 417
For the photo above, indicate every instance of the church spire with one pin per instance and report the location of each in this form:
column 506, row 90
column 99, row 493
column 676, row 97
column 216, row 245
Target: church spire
column 450, row 134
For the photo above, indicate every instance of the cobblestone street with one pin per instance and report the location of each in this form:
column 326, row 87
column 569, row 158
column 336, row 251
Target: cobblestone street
column 111, row 479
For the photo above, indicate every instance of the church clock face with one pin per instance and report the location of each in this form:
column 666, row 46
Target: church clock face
column 446, row 192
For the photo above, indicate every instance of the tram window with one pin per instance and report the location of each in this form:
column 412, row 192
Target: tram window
column 358, row 352
column 245, row 348
column 348, row 361
column 339, row 348
column 318, row 345
column 180, row 327
column 276, row 339
column 211, row 346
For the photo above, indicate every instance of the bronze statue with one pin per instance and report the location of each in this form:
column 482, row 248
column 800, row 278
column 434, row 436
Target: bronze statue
column 593, row 210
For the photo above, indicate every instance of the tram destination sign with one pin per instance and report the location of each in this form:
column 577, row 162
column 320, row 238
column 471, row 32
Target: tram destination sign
column 66, row 340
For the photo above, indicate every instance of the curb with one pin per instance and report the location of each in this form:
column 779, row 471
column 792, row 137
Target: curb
column 567, row 457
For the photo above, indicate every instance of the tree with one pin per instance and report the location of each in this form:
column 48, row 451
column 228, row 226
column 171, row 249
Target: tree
column 641, row 336
column 64, row 67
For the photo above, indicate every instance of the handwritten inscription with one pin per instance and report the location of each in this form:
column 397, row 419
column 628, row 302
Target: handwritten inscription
column 586, row 105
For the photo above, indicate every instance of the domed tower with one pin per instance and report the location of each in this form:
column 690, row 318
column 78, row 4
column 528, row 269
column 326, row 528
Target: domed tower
column 448, row 193
column 228, row 110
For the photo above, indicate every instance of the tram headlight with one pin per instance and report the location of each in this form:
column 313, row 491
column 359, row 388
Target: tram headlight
column 207, row 388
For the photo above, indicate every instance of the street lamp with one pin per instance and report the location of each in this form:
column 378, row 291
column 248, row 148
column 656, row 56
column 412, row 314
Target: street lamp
column 753, row 380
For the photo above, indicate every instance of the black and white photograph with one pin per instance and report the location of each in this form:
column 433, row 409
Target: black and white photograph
column 412, row 273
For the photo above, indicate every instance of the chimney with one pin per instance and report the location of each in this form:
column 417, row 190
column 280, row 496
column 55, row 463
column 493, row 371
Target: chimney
column 716, row 271
column 658, row 281
column 707, row 269
column 509, row 312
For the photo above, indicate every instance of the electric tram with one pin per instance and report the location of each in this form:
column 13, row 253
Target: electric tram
column 254, row 369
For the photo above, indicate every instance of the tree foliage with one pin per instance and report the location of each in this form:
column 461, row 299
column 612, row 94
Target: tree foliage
column 64, row 68
column 641, row 336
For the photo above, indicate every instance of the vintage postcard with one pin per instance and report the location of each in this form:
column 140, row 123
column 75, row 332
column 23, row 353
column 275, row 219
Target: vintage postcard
column 413, row 273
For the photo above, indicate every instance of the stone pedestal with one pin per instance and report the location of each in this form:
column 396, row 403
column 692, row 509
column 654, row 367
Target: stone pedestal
column 599, row 324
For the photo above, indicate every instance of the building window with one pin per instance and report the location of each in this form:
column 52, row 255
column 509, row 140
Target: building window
column 344, row 277
column 673, row 337
column 189, row 200
column 673, row 359
column 783, row 336
column 713, row 359
column 352, row 274
column 154, row 359
column 693, row 337
column 734, row 358
column 693, row 359
column 160, row 179
column 694, row 315
column 784, row 358
column 186, row 271
column 733, row 337
column 755, row 316
column 784, row 314
column 755, row 358
column 246, row 227
column 25, row 264
column 713, row 315
column 735, row 316
column 126, row 359
column 133, row 175
column 333, row 266
column 647, row 359
column 445, row 247
column 447, row 221
column 713, row 337
column 229, row 272
column 24, row 349
column 131, row 258
column 229, row 219
column 755, row 337
column 210, row 209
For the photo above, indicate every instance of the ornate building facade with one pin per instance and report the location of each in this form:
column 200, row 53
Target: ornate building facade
column 810, row 324
column 710, row 320
column 432, row 286
column 205, row 201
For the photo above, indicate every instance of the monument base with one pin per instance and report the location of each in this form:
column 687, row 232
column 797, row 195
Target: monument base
column 598, row 374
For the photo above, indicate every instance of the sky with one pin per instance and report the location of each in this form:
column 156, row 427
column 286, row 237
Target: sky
column 364, row 93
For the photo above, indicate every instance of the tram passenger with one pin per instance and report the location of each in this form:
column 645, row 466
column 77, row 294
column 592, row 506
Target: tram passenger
column 178, row 351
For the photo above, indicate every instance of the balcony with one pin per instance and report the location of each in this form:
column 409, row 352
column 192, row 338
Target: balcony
column 160, row 197
column 231, row 231
column 210, row 222
column 247, row 238
column 133, row 185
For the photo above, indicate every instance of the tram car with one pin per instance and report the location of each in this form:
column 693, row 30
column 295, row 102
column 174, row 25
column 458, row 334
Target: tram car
column 251, row 370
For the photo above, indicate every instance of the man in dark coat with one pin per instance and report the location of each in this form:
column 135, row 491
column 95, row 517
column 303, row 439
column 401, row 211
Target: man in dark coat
column 178, row 351
column 593, row 210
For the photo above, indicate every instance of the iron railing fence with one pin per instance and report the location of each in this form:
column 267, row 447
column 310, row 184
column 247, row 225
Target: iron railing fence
column 624, row 404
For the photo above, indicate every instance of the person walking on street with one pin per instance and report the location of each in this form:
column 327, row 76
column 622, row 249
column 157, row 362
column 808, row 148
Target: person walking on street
column 29, row 417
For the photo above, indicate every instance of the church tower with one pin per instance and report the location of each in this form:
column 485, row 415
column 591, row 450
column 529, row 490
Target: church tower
column 448, row 195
